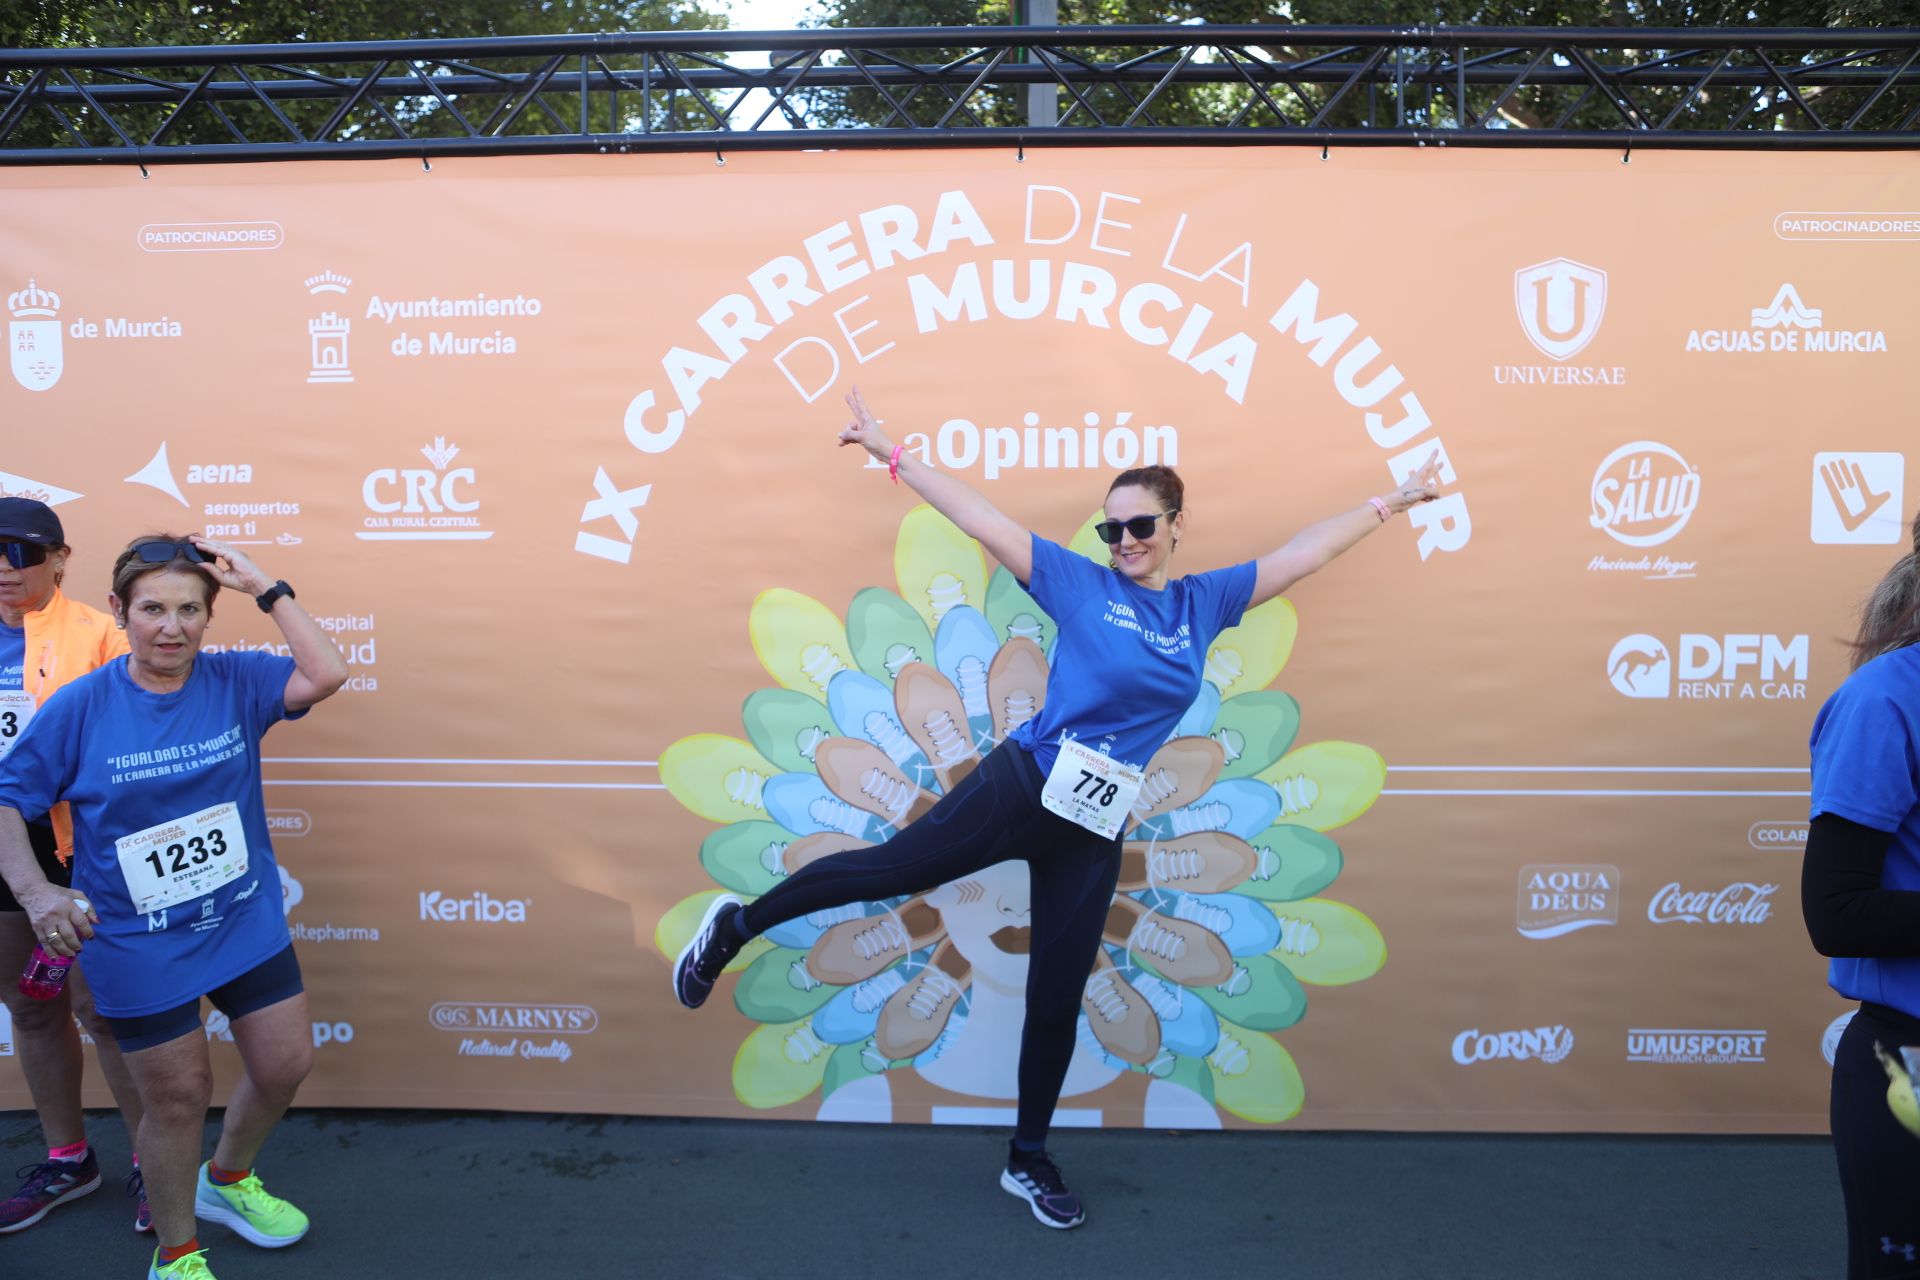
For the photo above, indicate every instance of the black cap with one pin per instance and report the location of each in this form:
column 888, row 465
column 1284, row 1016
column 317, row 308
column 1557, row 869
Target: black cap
column 25, row 520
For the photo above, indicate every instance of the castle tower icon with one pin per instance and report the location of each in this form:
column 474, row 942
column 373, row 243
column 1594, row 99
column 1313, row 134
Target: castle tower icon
column 33, row 337
column 329, row 334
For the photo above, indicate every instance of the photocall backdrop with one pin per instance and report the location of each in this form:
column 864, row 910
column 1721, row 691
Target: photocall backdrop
column 1513, row 794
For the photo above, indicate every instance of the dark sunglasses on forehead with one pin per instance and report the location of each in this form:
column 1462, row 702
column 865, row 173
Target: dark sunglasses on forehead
column 160, row 551
column 1141, row 527
column 23, row 555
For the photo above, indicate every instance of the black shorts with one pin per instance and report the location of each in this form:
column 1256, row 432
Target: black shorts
column 268, row 982
column 40, row 836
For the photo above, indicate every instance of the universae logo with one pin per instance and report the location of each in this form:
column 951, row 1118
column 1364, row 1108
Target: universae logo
column 1560, row 302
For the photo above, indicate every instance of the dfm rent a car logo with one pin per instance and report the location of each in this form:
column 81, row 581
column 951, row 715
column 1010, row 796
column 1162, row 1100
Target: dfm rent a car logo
column 1543, row 1044
column 480, row 908
column 1743, row 902
column 422, row 504
column 1643, row 494
column 1735, row 666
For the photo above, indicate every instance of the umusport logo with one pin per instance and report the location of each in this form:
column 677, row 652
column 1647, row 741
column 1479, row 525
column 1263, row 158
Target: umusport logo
column 1695, row 1046
column 1541, row 1044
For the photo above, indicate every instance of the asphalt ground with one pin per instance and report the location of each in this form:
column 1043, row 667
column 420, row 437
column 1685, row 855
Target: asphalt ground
column 472, row 1195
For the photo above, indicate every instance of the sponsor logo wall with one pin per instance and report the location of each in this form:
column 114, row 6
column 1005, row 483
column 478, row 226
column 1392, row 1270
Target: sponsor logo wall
column 1525, row 769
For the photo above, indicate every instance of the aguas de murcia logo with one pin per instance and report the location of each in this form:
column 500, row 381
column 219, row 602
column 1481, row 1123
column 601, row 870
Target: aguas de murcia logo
column 1788, row 325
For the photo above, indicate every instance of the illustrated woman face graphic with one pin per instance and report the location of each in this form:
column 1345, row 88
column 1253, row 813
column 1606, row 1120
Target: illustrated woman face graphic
column 989, row 921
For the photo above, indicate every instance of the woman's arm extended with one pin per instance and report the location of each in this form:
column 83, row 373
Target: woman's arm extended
column 1315, row 546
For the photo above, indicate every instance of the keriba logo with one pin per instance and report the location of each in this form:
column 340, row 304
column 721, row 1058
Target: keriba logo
column 480, row 907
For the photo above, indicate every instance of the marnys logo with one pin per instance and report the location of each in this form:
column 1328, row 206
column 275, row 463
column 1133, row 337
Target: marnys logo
column 1738, row 666
column 1560, row 303
column 553, row 1020
column 414, row 504
column 1547, row 1044
column 480, row 907
column 1559, row 898
column 1742, row 902
column 13, row 486
column 1642, row 495
column 1687, row 1045
column 1859, row 498
column 1788, row 324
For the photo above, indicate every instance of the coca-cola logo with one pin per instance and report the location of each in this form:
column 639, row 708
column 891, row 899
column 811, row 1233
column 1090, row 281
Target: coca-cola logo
column 1742, row 902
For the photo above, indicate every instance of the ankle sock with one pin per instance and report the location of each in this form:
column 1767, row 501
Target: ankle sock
column 173, row 1253
column 734, row 929
column 1020, row 1147
column 225, row 1177
column 73, row 1152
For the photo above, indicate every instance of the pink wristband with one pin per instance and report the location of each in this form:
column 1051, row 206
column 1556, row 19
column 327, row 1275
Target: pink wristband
column 893, row 464
column 1385, row 511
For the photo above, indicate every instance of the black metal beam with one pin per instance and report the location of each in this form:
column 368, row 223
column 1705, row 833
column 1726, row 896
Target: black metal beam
column 1257, row 85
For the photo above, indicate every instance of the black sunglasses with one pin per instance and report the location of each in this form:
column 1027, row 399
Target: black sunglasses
column 23, row 555
column 1141, row 527
column 160, row 551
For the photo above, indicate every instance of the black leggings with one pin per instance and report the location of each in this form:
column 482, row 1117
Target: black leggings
column 993, row 815
column 1879, row 1160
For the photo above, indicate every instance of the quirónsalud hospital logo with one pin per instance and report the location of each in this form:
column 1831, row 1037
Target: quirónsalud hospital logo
column 1560, row 304
column 1215, row 932
column 33, row 337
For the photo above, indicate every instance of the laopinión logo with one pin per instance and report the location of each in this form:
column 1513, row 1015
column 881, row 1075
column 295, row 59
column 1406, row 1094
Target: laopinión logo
column 415, row 504
column 1692, row 1045
column 1731, row 667
column 479, row 1022
column 479, row 907
column 1560, row 898
column 1560, row 303
column 1642, row 496
column 1788, row 325
column 1541, row 1044
column 1742, row 902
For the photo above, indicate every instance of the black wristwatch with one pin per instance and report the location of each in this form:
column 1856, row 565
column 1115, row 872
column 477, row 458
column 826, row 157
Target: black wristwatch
column 267, row 598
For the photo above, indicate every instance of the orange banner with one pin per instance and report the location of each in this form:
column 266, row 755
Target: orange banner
column 548, row 446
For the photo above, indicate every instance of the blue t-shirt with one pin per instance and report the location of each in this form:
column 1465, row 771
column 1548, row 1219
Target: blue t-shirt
column 128, row 760
column 13, row 657
column 1127, row 664
column 1866, row 769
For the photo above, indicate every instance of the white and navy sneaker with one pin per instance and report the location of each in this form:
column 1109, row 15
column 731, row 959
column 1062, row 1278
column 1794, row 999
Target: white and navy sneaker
column 1034, row 1177
column 699, row 963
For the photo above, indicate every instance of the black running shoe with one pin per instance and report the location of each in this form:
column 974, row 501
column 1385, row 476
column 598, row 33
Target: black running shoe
column 1034, row 1177
column 699, row 963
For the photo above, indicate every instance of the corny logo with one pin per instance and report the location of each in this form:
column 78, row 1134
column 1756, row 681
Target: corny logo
column 1544, row 1044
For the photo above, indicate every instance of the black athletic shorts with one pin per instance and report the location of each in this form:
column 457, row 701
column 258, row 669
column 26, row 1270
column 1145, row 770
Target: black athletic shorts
column 268, row 982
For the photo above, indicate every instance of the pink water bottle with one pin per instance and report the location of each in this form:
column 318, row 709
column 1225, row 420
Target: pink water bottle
column 45, row 975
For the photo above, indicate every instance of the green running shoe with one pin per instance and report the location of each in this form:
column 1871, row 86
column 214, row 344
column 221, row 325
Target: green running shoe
column 191, row 1267
column 246, row 1206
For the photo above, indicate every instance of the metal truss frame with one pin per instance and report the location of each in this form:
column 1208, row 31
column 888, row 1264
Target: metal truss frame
column 966, row 86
